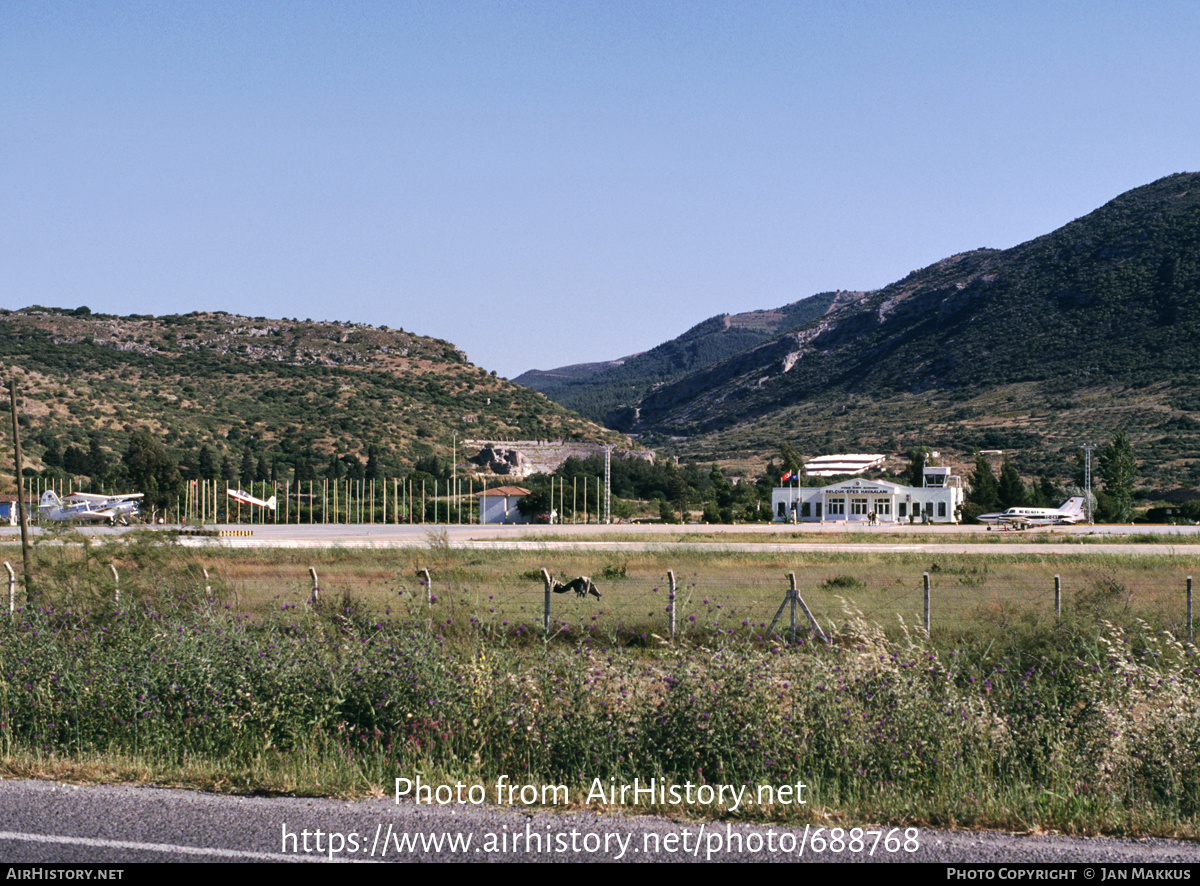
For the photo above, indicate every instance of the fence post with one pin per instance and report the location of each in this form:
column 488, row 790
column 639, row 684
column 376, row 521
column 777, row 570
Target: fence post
column 926, row 604
column 778, row 612
column 1057, row 598
column 428, row 597
column 1189, row 606
column 793, row 597
column 428, row 587
column 671, row 603
column 12, row 590
column 808, row 615
column 315, row 598
column 546, row 608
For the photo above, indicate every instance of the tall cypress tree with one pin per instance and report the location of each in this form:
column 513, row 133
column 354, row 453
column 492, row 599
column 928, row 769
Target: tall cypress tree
column 914, row 474
column 985, row 491
column 1117, row 467
column 249, row 467
column 207, row 465
column 1011, row 490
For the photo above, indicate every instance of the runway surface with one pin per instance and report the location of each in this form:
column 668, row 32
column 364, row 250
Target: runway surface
column 771, row 538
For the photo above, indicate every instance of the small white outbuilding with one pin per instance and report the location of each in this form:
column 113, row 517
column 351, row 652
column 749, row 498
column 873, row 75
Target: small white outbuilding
column 499, row 505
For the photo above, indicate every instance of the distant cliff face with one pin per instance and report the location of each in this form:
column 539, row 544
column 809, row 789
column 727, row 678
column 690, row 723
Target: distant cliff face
column 597, row 390
column 523, row 458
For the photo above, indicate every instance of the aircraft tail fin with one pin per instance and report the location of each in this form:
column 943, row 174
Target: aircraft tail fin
column 271, row 503
column 1073, row 506
column 49, row 500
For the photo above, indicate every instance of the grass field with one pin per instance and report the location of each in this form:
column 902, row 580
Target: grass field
column 1004, row 717
column 724, row 588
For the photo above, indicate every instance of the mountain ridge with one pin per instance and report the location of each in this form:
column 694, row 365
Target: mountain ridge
column 1057, row 341
column 596, row 389
column 915, row 334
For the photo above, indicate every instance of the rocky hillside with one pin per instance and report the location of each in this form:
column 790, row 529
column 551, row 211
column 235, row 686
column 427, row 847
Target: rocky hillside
column 1059, row 341
column 597, row 390
column 1111, row 298
column 297, row 392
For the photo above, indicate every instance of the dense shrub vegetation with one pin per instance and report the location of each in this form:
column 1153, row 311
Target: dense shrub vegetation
column 1086, row 726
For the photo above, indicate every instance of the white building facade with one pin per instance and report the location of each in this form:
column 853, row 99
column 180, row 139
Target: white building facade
column 499, row 505
column 940, row 500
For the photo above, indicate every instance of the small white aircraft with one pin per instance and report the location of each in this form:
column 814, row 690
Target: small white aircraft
column 246, row 498
column 88, row 507
column 1022, row 518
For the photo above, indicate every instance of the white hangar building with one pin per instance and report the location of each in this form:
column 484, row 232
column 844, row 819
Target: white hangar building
column 940, row 500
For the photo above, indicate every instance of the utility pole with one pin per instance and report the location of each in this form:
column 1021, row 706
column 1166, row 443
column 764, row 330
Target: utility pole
column 25, row 553
column 1087, row 479
column 608, row 483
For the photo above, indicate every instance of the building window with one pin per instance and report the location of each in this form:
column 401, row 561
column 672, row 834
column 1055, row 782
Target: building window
column 941, row 509
column 858, row 506
column 837, row 507
column 782, row 513
column 883, row 507
column 902, row 509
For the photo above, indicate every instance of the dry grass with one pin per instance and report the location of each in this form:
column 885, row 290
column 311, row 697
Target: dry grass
column 503, row 589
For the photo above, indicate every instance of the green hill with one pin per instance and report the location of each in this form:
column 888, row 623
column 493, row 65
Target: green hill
column 295, row 394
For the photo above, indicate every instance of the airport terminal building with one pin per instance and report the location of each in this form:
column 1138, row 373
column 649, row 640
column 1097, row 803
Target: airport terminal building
column 940, row 500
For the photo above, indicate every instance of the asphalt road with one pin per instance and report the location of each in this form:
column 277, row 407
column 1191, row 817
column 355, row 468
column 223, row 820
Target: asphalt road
column 45, row 822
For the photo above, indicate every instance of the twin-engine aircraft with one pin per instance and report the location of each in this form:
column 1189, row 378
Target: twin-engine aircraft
column 246, row 498
column 1022, row 518
column 88, row 507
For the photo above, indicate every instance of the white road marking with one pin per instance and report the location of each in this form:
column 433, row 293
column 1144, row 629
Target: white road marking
column 94, row 842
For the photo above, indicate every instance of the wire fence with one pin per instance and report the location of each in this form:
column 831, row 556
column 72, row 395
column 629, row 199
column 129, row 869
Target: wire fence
column 618, row 600
column 690, row 601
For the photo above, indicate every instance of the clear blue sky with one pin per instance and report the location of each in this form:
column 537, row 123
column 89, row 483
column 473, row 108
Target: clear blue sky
column 546, row 183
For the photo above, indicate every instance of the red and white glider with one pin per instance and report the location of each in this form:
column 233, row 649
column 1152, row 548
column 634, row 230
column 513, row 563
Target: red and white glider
column 240, row 495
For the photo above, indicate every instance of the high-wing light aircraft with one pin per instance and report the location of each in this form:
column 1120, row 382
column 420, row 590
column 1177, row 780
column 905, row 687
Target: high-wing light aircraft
column 1022, row 518
column 246, row 498
column 88, row 507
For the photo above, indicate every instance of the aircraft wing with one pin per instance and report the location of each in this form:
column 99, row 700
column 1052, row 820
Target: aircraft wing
column 1000, row 521
column 79, row 515
column 93, row 498
column 114, row 514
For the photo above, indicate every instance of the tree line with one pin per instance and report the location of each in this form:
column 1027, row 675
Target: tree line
column 1115, row 466
column 674, row 492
